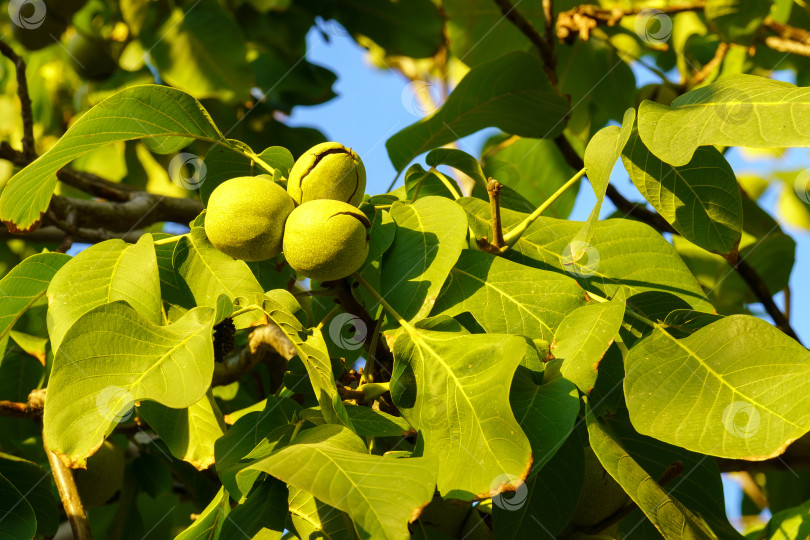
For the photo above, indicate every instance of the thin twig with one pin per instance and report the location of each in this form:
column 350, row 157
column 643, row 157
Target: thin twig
column 786, row 31
column 28, row 148
column 582, row 19
column 787, row 46
column 494, row 191
column 69, row 494
column 760, row 290
column 519, row 21
column 711, row 65
column 265, row 344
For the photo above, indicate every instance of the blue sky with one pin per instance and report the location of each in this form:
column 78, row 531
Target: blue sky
column 373, row 104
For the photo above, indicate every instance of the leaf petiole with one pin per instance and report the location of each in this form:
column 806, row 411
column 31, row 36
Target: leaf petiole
column 402, row 322
column 170, row 239
column 514, row 235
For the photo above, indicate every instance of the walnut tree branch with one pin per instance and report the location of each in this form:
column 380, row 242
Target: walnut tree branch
column 265, row 344
column 521, row 23
column 69, row 495
column 28, row 149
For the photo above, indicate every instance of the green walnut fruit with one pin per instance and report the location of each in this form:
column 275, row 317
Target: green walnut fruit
column 245, row 217
column 326, row 240
column 601, row 495
column 328, row 171
column 33, row 26
column 103, row 476
column 91, row 57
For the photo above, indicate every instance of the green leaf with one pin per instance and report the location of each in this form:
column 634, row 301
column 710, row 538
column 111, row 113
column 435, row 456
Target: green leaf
column 19, row 520
column 334, row 465
column 742, row 110
column 412, row 28
column 512, row 93
column 454, row 389
column 583, row 338
column 208, row 524
column 732, row 389
column 202, row 51
column 669, row 516
column 223, row 162
column 370, row 423
column 459, row 160
column 546, row 413
column 263, row 514
column 790, row 524
column 106, row 272
column 624, row 255
column 174, row 292
column 507, row 297
column 701, row 200
column 601, row 154
column 138, row 112
column 430, row 235
column 313, row 519
column 36, row 486
column 209, row 273
column 311, row 349
column 24, row 284
column 189, row 433
column 111, row 358
column 546, row 502
column 737, row 20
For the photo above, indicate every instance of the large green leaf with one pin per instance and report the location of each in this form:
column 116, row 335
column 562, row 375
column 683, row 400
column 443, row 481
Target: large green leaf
column 19, row 520
column 790, row 524
column 189, row 433
column 701, row 200
column 454, row 389
column 139, row 112
column 583, row 339
column 742, row 110
column 670, row 517
column 24, row 284
column 478, row 32
column 508, row 298
column 112, row 357
column 263, row 514
column 512, row 93
column 201, row 50
column 430, row 235
column 623, row 255
column 105, row 272
column 334, row 465
column 734, row 388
